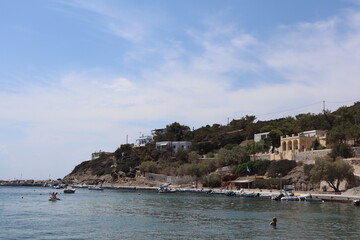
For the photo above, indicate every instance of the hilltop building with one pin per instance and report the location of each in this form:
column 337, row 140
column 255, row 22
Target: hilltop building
column 174, row 146
column 143, row 140
column 260, row 136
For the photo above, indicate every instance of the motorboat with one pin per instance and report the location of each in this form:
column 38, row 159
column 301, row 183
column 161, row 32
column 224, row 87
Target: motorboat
column 356, row 203
column 166, row 189
column 97, row 188
column 287, row 195
column 69, row 190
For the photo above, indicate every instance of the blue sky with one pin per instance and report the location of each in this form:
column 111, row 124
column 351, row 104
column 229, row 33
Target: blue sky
column 78, row 76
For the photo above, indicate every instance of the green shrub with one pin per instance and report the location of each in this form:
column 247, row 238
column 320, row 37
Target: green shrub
column 212, row 180
column 258, row 167
column 149, row 166
column 341, row 150
column 280, row 167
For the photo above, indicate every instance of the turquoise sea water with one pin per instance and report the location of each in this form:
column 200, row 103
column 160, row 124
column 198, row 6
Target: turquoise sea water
column 26, row 213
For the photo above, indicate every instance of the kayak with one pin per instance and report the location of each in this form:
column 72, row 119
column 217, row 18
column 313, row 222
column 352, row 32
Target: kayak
column 54, row 199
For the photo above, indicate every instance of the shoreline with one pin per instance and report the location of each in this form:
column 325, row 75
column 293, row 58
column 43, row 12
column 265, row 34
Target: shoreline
column 338, row 197
column 332, row 197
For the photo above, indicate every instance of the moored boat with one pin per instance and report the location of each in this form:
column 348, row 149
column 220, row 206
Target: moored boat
column 356, row 203
column 166, row 189
column 98, row 188
column 69, row 190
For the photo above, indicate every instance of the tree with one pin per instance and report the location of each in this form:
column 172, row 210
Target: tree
column 274, row 136
column 194, row 157
column 182, row 156
column 331, row 171
column 343, row 150
column 234, row 156
column 149, row 166
column 281, row 167
column 213, row 180
column 174, row 132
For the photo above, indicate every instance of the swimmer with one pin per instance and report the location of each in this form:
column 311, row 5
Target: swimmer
column 273, row 222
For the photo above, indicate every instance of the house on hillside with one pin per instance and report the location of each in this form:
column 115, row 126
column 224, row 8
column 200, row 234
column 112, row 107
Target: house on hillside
column 301, row 142
column 291, row 147
column 174, row 146
column 260, row 136
column 142, row 141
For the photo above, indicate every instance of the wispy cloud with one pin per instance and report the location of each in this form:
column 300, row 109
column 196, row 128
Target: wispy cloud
column 84, row 110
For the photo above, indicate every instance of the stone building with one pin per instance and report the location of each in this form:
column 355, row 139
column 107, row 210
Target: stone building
column 174, row 146
column 301, row 142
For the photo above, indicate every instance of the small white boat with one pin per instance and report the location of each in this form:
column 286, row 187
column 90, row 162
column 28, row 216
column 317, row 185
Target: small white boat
column 69, row 190
column 292, row 197
column 356, row 203
column 166, row 189
column 98, row 188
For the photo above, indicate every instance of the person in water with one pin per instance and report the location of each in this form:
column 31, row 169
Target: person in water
column 273, row 222
column 53, row 195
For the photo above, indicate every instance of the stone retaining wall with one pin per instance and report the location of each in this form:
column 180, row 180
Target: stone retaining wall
column 307, row 157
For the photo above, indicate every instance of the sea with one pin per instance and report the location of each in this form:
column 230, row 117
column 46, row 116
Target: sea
column 26, row 213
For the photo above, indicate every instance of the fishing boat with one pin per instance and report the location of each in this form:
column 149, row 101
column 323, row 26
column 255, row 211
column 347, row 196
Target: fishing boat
column 356, row 203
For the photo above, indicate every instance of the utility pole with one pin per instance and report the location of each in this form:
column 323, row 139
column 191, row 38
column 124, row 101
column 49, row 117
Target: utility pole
column 324, row 106
column 126, row 139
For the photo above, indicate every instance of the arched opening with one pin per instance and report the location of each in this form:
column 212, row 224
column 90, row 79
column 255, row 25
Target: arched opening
column 290, row 146
column 296, row 145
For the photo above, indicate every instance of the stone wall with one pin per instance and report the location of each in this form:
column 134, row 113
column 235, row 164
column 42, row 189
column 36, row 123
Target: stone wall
column 308, row 157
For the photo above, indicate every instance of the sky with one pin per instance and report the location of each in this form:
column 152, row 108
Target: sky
column 79, row 76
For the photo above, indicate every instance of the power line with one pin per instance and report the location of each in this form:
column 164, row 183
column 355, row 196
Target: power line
column 288, row 110
column 312, row 104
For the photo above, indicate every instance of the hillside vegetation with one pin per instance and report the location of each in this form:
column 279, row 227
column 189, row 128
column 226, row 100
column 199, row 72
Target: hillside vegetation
column 215, row 146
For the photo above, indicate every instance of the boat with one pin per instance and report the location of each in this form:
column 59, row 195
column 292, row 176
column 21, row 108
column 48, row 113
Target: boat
column 166, row 189
column 287, row 195
column 98, row 188
column 53, row 199
column 242, row 193
column 356, row 203
column 69, row 190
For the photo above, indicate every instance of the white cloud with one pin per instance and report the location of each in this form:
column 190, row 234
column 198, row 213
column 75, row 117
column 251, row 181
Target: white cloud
column 85, row 111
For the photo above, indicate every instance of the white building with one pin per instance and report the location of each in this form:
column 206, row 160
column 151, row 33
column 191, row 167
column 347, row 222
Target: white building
column 174, row 146
column 143, row 140
column 260, row 136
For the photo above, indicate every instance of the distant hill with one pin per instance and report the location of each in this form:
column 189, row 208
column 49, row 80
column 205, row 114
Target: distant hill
column 215, row 140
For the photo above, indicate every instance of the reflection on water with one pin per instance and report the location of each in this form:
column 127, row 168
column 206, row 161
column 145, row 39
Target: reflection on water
column 119, row 214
